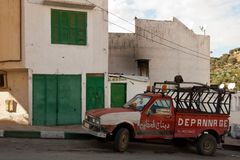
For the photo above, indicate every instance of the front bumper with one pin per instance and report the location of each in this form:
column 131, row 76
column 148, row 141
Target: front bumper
column 93, row 129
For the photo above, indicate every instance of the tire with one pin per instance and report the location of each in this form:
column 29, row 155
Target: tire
column 206, row 145
column 121, row 140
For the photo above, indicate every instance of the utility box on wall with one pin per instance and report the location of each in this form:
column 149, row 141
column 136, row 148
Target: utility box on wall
column 11, row 105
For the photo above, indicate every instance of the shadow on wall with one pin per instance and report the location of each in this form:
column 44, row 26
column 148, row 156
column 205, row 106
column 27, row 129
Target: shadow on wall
column 12, row 111
column 9, row 122
column 14, row 99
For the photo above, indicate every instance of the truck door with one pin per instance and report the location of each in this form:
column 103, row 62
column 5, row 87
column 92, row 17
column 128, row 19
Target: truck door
column 157, row 121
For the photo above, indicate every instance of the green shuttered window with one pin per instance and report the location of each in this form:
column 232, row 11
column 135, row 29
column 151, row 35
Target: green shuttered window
column 68, row 27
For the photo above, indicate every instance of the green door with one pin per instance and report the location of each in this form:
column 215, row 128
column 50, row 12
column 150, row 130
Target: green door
column 118, row 94
column 39, row 99
column 95, row 91
column 69, row 100
column 56, row 99
column 51, row 100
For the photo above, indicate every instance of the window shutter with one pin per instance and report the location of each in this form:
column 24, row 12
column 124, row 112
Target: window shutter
column 73, row 28
column 54, row 26
column 68, row 27
column 82, row 29
column 64, row 27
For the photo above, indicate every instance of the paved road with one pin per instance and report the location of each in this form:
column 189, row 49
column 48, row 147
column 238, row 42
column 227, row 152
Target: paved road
column 42, row 149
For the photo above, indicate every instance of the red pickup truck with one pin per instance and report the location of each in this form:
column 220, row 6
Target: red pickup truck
column 170, row 111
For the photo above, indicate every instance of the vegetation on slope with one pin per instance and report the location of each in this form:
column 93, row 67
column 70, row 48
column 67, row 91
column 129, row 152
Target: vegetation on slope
column 226, row 69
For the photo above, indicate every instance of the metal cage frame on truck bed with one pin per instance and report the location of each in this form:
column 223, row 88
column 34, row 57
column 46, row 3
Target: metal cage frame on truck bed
column 195, row 97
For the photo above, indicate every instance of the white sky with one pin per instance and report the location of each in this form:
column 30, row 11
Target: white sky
column 221, row 17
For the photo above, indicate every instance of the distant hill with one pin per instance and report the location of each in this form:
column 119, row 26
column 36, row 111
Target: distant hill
column 226, row 69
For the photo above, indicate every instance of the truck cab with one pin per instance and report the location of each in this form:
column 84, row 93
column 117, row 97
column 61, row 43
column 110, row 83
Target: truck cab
column 169, row 111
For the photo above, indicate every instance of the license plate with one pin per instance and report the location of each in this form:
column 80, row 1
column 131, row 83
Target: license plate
column 86, row 125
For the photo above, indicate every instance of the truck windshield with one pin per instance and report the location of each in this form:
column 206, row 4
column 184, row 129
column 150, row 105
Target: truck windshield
column 138, row 102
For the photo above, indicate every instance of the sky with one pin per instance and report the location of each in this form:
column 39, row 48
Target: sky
column 220, row 18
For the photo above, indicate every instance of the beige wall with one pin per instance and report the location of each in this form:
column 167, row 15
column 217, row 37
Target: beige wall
column 10, row 30
column 17, row 90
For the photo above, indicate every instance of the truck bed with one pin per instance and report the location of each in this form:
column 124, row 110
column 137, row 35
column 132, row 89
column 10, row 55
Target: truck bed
column 191, row 124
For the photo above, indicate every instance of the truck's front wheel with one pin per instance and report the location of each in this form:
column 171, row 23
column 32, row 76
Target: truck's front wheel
column 206, row 145
column 121, row 140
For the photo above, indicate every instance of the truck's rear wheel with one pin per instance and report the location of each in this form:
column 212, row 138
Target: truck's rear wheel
column 206, row 145
column 121, row 140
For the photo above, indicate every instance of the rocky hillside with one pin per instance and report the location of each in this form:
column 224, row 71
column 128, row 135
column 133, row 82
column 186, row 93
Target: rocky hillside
column 226, row 69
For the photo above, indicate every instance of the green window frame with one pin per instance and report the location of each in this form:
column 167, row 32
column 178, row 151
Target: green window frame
column 68, row 27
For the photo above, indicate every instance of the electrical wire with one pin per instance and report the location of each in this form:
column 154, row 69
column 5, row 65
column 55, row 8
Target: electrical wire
column 157, row 41
column 147, row 30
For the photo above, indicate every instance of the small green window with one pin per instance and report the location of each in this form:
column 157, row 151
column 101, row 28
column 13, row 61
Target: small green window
column 68, row 27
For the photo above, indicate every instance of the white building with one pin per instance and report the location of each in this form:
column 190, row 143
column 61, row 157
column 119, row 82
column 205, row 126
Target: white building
column 161, row 50
column 54, row 60
column 234, row 119
column 235, row 105
column 122, row 88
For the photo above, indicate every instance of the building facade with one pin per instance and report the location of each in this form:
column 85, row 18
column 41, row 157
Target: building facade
column 54, row 60
column 161, row 50
column 122, row 88
column 235, row 105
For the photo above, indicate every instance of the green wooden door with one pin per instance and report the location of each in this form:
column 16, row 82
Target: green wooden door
column 118, row 94
column 50, row 100
column 95, row 91
column 56, row 99
column 69, row 100
column 39, row 100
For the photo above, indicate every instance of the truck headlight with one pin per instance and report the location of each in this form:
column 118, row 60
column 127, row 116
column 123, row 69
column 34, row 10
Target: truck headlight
column 86, row 117
column 97, row 121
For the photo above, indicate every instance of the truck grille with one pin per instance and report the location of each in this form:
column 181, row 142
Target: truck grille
column 90, row 119
column 92, row 126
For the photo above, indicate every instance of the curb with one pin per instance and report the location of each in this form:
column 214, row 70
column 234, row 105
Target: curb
column 69, row 135
column 231, row 147
column 45, row 135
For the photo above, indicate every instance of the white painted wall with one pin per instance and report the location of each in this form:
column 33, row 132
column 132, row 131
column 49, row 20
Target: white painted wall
column 134, row 86
column 122, row 53
column 165, row 62
column 39, row 56
column 234, row 114
column 42, row 57
column 235, row 105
